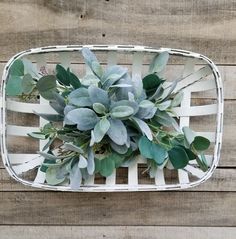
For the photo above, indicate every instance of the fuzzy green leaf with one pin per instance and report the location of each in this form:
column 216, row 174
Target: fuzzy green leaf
column 101, row 129
column 117, row 132
column 85, row 119
column 62, row 75
column 122, row 112
column 159, row 62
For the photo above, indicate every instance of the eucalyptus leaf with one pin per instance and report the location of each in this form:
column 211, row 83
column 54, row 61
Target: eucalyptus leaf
column 14, row 86
column 178, row 157
column 151, row 150
column 28, row 84
column 200, row 143
column 107, row 166
column 17, row 68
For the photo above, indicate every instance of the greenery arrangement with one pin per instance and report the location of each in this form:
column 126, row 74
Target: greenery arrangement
column 107, row 119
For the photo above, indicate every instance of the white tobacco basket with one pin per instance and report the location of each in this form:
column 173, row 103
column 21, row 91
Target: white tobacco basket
column 199, row 76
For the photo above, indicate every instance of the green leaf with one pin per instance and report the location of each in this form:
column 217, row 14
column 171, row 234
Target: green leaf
column 90, row 79
column 46, row 83
column 75, row 177
column 46, row 86
column 151, row 82
column 17, row 68
column 37, row 135
column 151, row 150
column 117, row 132
column 62, row 75
column 82, row 162
column 107, row 166
column 74, row 80
column 164, row 105
column 30, row 68
column 72, row 147
column 85, row 119
column 97, row 95
column 143, row 127
column 177, row 99
column 80, row 97
column 159, row 62
column 112, row 74
column 202, row 162
column 92, row 62
column 101, row 129
column 51, row 176
column 27, row 84
column 189, row 135
column 178, row 157
column 51, row 117
column 99, row 108
column 14, row 86
column 200, row 143
column 145, row 147
column 122, row 112
column 91, row 162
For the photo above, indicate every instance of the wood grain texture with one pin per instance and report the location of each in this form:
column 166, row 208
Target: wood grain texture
column 207, row 27
column 115, row 232
column 132, row 208
column 223, row 179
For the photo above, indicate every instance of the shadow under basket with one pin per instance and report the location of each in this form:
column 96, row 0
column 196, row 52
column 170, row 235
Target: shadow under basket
column 201, row 109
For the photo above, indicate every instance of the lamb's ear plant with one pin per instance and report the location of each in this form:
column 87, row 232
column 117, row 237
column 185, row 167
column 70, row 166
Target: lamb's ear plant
column 107, row 119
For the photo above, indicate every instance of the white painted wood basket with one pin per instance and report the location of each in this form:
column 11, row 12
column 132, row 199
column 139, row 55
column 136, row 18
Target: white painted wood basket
column 19, row 152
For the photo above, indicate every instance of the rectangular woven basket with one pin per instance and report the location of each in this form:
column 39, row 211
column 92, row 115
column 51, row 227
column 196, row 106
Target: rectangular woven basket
column 199, row 77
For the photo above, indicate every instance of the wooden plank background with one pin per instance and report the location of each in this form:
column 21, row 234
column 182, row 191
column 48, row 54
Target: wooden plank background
column 204, row 26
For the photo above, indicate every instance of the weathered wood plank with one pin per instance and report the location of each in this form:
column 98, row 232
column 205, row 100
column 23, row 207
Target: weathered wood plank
column 148, row 208
column 115, row 232
column 222, row 180
column 199, row 26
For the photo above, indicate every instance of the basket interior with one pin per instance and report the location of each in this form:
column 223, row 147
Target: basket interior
column 198, row 110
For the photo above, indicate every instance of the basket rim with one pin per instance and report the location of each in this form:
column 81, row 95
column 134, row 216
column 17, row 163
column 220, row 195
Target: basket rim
column 116, row 187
